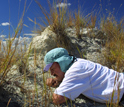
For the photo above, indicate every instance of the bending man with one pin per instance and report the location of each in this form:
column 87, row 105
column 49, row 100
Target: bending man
column 79, row 76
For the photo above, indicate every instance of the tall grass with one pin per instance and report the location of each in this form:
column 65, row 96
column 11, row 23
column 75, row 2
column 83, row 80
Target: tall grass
column 115, row 41
column 59, row 19
column 9, row 58
column 10, row 54
column 56, row 19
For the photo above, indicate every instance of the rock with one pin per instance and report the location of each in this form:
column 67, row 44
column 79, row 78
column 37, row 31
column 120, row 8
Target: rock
column 44, row 42
column 28, row 85
column 13, row 104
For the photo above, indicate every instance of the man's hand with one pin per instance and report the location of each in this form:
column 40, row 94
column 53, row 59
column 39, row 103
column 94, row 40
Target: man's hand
column 52, row 82
column 58, row 99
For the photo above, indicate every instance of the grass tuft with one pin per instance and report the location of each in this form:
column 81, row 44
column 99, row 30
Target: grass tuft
column 59, row 19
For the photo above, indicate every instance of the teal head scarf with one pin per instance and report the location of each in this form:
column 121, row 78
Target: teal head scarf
column 59, row 55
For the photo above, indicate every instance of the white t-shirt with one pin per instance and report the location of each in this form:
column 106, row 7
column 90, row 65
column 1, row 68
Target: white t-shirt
column 93, row 80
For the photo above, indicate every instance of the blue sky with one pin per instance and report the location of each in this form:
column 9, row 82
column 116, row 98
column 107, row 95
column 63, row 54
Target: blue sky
column 11, row 11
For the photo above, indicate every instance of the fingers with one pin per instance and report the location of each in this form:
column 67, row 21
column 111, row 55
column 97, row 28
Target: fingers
column 49, row 81
column 52, row 82
column 55, row 84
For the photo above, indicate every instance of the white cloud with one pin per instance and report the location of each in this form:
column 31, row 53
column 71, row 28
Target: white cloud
column 29, row 34
column 63, row 4
column 2, row 36
column 21, row 42
column 5, row 24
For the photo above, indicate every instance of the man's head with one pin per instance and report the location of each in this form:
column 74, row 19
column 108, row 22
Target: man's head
column 56, row 71
column 59, row 55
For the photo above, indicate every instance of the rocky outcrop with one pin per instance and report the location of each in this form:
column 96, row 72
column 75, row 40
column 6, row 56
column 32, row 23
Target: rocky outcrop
column 90, row 46
column 25, row 82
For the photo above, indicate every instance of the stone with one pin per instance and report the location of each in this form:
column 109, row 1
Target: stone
column 29, row 88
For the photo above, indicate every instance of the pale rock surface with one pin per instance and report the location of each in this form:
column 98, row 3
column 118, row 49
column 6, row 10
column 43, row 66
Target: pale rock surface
column 30, row 85
column 44, row 42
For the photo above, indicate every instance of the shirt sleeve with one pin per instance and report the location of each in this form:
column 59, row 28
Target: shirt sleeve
column 74, row 83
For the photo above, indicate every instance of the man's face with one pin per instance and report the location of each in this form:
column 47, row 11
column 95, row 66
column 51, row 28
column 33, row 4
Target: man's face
column 56, row 71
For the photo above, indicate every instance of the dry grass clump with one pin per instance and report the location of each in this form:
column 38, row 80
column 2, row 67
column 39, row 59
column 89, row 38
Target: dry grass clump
column 79, row 23
column 114, row 32
column 10, row 54
column 115, row 42
column 59, row 19
column 9, row 58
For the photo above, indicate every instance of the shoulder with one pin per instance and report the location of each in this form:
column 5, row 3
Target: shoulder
column 79, row 64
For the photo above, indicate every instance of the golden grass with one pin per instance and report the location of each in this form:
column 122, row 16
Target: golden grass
column 115, row 41
column 62, row 19
column 9, row 58
column 59, row 19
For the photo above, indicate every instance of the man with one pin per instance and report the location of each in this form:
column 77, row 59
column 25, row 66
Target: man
column 79, row 76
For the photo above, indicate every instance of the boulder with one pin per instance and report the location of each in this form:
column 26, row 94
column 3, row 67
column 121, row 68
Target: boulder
column 43, row 43
column 26, row 82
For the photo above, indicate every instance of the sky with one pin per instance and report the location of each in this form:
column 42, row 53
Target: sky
column 12, row 10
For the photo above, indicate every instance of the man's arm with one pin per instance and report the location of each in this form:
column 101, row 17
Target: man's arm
column 58, row 99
